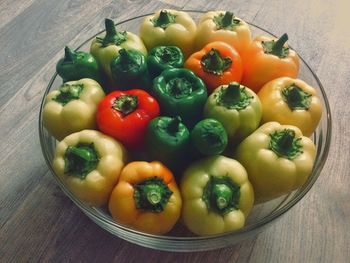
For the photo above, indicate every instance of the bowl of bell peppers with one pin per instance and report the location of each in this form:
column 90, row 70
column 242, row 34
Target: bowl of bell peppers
column 184, row 130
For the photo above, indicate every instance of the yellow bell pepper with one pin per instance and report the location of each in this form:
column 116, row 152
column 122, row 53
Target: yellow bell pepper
column 237, row 107
column 72, row 107
column 291, row 101
column 278, row 159
column 89, row 163
column 217, row 196
column 223, row 26
column 146, row 198
column 105, row 49
column 169, row 27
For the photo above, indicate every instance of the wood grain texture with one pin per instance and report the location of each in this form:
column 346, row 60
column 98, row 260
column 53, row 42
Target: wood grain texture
column 38, row 223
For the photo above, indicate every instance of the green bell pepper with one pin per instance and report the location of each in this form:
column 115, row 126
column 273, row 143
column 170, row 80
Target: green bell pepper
column 167, row 140
column 209, row 137
column 164, row 57
column 129, row 70
column 77, row 65
column 180, row 92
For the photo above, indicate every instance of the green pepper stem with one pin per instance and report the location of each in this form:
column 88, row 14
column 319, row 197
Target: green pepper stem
column 154, row 196
column 151, row 194
column 80, row 160
column 284, row 143
column 227, row 19
column 110, row 28
column 277, row 47
column 221, row 194
column 174, row 125
column 68, row 92
column 212, row 62
column 68, row 54
column 232, row 93
column 125, row 103
column 81, row 153
column 125, row 57
column 296, row 98
column 164, row 19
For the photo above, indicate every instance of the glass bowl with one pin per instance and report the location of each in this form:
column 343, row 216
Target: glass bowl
column 180, row 239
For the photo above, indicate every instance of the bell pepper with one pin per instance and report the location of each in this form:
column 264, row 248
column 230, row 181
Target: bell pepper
column 223, row 26
column 129, row 70
column 291, row 101
column 209, row 137
column 278, row 159
column 161, row 58
column 105, row 49
column 238, row 109
column 124, row 115
column 170, row 28
column 267, row 59
column 146, row 198
column 180, row 93
column 217, row 196
column 77, row 65
column 89, row 163
column 72, row 107
column 167, row 140
column 217, row 64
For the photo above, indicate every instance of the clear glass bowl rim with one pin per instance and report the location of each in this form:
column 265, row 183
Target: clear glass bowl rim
column 95, row 216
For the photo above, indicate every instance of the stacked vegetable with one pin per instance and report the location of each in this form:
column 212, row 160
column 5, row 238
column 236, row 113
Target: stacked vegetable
column 184, row 120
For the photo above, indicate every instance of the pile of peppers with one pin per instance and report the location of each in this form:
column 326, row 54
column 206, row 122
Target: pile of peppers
column 184, row 120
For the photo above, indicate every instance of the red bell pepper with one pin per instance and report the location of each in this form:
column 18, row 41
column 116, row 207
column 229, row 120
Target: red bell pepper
column 124, row 115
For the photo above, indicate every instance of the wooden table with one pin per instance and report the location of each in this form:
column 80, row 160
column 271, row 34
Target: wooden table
column 38, row 223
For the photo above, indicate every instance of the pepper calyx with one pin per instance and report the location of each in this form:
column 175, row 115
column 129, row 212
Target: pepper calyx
column 151, row 195
column 296, row 98
column 277, row 48
column 226, row 21
column 80, row 160
column 234, row 96
column 112, row 37
column 212, row 62
column 68, row 92
column 164, row 19
column 284, row 144
column 125, row 103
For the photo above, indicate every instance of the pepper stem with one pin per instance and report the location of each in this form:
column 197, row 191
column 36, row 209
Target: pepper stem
column 277, row 47
column 296, row 98
column 151, row 194
column 125, row 57
column 212, row 62
column 80, row 160
column 164, row 19
column 125, row 103
column 173, row 126
column 227, row 19
column 222, row 195
column 284, row 144
column 68, row 93
column 68, row 54
column 232, row 93
column 154, row 196
column 110, row 28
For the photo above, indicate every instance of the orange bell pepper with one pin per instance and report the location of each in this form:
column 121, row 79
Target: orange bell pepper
column 267, row 59
column 146, row 198
column 216, row 64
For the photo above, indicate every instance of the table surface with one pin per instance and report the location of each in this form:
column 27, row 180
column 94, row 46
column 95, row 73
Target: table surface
column 39, row 223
